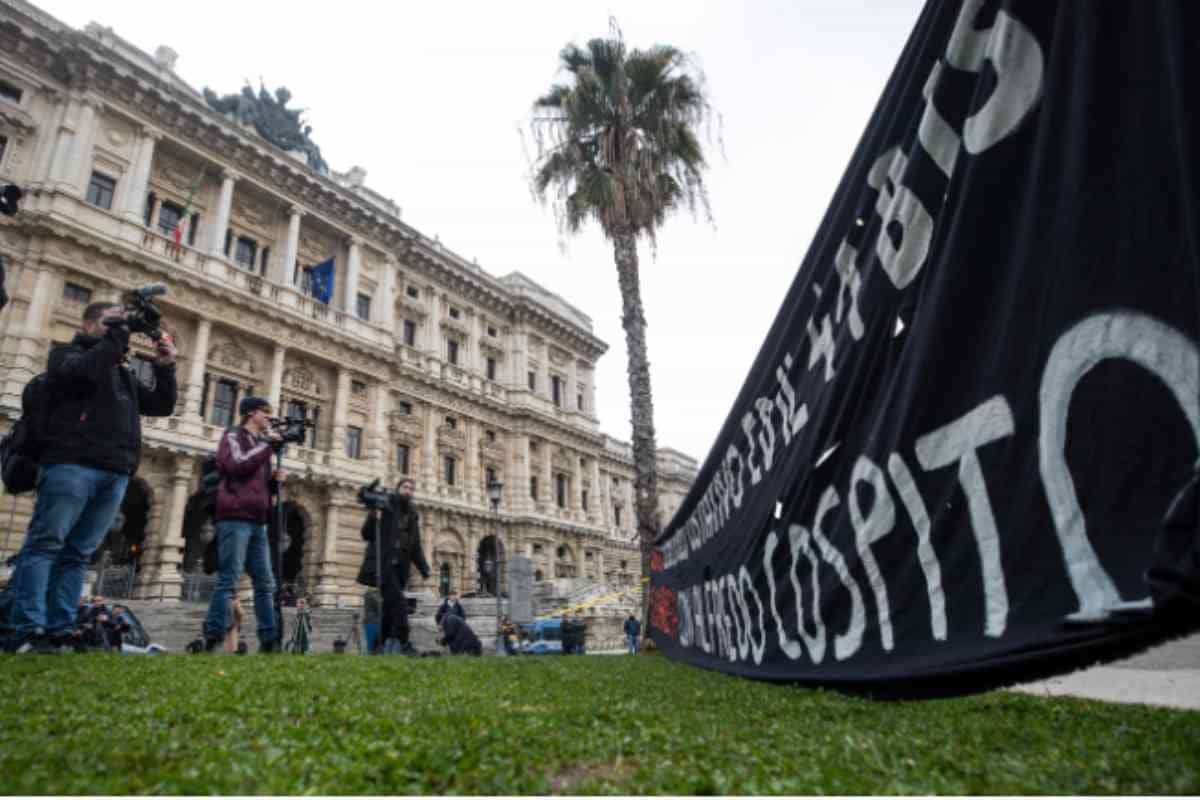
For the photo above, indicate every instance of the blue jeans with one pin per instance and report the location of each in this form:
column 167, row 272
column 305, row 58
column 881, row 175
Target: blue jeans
column 74, row 510
column 633, row 643
column 242, row 544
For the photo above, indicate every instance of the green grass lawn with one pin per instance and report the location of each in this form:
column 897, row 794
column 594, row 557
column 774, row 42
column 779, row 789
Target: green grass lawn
column 99, row 724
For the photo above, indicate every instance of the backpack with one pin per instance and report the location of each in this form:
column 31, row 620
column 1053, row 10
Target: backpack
column 210, row 479
column 22, row 446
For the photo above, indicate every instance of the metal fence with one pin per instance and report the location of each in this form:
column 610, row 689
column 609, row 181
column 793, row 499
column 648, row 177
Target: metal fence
column 115, row 582
column 198, row 587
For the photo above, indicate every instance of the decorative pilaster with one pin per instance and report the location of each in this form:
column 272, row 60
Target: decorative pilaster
column 138, row 182
column 429, row 467
column 519, row 495
column 167, row 549
column 386, row 303
column 78, row 169
column 216, row 240
column 340, row 404
column 327, row 585
column 194, row 399
column 285, row 268
column 46, row 143
column 596, row 498
column 377, row 449
column 474, row 478
column 353, row 268
column 275, row 390
column 576, row 487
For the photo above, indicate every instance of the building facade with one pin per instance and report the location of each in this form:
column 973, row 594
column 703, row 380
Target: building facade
column 420, row 363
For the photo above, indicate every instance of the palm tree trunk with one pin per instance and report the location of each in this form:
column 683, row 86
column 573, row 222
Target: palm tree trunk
column 645, row 471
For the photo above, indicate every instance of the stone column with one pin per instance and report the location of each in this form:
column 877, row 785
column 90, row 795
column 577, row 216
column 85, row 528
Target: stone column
column 353, row 267
column 580, row 560
column 429, row 451
column 76, row 168
column 377, row 449
column 474, row 479
column 216, row 241
column 551, row 490
column 473, row 349
column 137, row 183
column 275, row 390
column 170, row 544
column 49, row 140
column 341, row 402
column 595, row 497
column 572, row 387
column 519, row 360
column 590, row 398
column 39, row 302
column 520, row 499
column 433, row 338
column 576, row 487
column 193, row 399
column 630, row 516
column 386, row 303
column 327, row 586
column 285, row 268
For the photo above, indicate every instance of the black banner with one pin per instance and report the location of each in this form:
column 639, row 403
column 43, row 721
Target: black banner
column 949, row 466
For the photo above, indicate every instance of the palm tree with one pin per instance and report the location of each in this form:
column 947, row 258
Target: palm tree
column 618, row 143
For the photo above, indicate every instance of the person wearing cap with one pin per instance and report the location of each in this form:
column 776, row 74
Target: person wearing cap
column 242, row 510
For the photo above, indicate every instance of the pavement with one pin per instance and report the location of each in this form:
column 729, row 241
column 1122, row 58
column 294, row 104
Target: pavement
column 1167, row 675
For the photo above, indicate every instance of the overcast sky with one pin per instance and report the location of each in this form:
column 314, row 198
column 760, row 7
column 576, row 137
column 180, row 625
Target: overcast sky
column 431, row 99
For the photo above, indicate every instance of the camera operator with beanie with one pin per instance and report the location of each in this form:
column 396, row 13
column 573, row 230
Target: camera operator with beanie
column 91, row 445
column 247, row 482
column 400, row 541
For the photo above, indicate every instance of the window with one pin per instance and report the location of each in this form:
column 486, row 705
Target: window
column 533, row 446
column 195, row 223
column 264, row 261
column 491, row 332
column 3, row 147
column 410, row 333
column 583, row 497
column 358, row 387
column 533, row 381
column 100, row 190
column 454, row 313
column 228, row 241
column 224, row 397
column 452, row 351
column 624, row 564
column 168, row 216
column 490, row 436
column 364, row 306
column 562, row 552
column 353, row 442
column 448, row 465
column 245, row 253
column 143, row 369
column 537, row 575
column 579, row 401
column 556, row 390
column 560, row 490
column 533, row 486
column 10, row 92
column 73, row 293
column 404, row 408
column 491, row 368
column 587, row 555
column 489, row 476
column 452, row 423
column 413, row 292
column 537, row 548
column 617, row 515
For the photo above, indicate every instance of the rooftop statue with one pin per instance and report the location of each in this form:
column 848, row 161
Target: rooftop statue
column 271, row 118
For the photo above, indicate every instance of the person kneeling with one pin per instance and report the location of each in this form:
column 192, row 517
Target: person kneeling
column 458, row 636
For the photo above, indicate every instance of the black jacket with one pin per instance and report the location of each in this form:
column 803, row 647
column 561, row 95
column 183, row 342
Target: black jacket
column 632, row 627
column 400, row 534
column 459, row 637
column 96, row 404
column 449, row 608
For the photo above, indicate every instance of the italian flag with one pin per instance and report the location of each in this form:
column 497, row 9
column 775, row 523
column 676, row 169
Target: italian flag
column 187, row 210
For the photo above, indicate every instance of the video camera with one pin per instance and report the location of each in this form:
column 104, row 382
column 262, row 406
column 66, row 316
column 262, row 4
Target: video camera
column 373, row 497
column 141, row 315
column 291, row 429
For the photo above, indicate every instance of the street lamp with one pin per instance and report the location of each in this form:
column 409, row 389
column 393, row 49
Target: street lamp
column 494, row 491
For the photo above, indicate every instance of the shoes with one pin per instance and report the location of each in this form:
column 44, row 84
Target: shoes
column 269, row 647
column 407, row 649
column 213, row 645
column 38, row 644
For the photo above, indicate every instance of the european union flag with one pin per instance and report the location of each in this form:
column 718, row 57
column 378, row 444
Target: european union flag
column 321, row 277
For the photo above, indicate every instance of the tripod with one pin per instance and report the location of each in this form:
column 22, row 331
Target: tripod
column 301, row 638
column 280, row 522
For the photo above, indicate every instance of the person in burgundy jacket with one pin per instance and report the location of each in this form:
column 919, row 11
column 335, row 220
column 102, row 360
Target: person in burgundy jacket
column 243, row 508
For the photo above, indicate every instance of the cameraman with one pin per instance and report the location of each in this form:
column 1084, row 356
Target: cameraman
column 400, row 540
column 243, row 507
column 92, row 445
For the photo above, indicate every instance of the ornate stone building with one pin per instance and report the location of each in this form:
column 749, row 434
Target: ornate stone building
column 420, row 364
